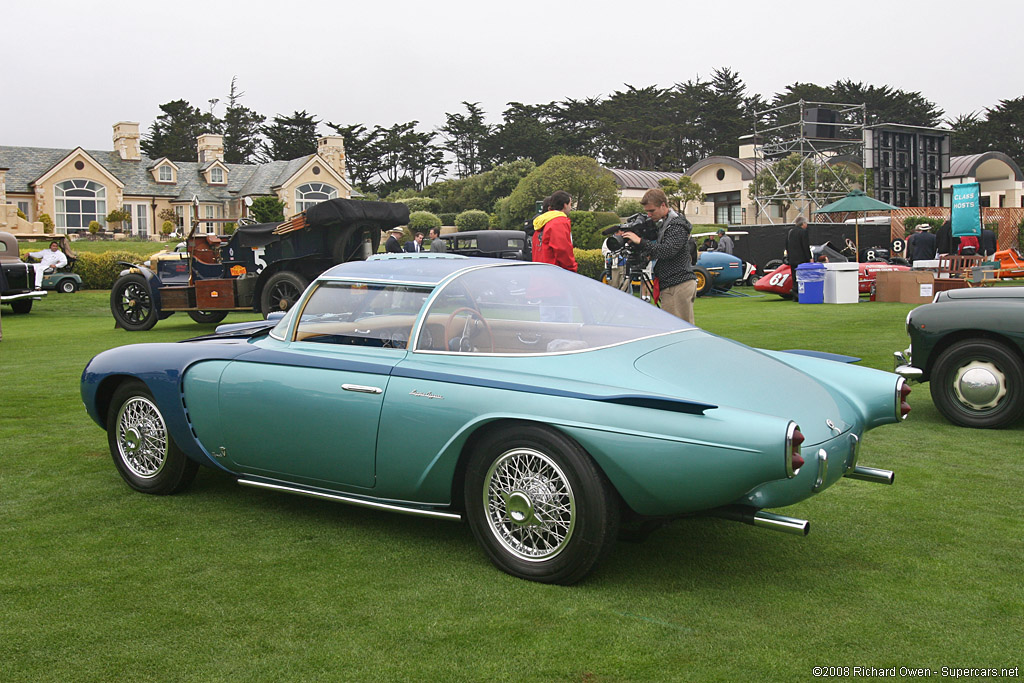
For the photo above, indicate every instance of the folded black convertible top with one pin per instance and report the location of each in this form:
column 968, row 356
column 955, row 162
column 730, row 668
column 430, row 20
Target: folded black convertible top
column 345, row 211
column 341, row 212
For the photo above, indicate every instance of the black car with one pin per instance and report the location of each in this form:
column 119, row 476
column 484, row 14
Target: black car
column 17, row 278
column 508, row 244
column 261, row 267
column 969, row 344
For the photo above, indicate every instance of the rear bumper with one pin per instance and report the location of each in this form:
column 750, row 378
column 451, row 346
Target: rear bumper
column 36, row 295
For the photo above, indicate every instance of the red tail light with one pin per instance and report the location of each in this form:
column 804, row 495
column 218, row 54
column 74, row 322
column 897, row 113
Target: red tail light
column 903, row 391
column 794, row 461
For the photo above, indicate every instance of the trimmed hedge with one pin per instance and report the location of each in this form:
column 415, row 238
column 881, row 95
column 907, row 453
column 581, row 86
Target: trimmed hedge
column 422, row 221
column 100, row 271
column 589, row 262
column 447, row 218
column 472, row 219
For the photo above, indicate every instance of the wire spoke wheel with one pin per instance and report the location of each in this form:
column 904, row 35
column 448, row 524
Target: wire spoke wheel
column 141, row 437
column 530, row 505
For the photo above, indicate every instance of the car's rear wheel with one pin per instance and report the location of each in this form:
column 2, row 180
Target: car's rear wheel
column 539, row 506
column 209, row 317
column 131, row 303
column 978, row 383
column 704, row 280
column 21, row 306
column 144, row 452
column 281, row 292
column 67, row 286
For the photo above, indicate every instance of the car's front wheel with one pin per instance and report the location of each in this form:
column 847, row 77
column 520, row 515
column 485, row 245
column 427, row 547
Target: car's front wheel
column 704, row 280
column 539, row 506
column 131, row 303
column 144, row 452
column 67, row 286
column 978, row 383
column 21, row 306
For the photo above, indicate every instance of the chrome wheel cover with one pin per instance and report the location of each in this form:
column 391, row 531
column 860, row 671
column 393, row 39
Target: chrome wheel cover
column 979, row 385
column 530, row 506
column 141, row 437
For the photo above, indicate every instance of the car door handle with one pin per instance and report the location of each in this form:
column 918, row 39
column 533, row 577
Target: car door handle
column 362, row 389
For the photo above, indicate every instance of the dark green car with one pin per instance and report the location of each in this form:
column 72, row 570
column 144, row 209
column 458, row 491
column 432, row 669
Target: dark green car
column 969, row 344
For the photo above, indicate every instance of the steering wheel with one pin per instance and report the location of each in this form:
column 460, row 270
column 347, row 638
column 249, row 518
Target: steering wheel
column 449, row 329
column 850, row 244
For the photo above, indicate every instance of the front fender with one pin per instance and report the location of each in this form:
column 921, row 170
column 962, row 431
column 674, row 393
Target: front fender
column 152, row 280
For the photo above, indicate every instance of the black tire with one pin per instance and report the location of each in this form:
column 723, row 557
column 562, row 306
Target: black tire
column 22, row 306
column 132, row 304
column 899, row 261
column 772, row 265
column 281, row 292
column 978, row 383
column 346, row 245
column 144, row 453
column 67, row 286
column 209, row 317
column 752, row 279
column 705, row 280
column 516, row 476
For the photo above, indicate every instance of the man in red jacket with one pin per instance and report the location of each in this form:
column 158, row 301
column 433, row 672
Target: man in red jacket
column 556, row 241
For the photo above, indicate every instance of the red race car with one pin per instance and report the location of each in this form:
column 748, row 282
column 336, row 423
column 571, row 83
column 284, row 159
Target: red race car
column 780, row 280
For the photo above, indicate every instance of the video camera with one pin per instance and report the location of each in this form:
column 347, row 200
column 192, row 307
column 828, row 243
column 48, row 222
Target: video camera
column 638, row 223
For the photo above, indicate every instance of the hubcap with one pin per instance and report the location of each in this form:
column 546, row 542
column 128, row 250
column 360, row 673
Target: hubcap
column 979, row 385
column 141, row 437
column 529, row 504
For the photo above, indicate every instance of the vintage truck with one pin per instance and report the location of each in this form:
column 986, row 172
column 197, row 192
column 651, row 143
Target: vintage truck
column 261, row 267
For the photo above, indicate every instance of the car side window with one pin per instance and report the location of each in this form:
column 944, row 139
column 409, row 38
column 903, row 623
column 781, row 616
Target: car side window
column 355, row 314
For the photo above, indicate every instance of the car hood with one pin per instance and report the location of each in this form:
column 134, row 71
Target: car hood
column 711, row 369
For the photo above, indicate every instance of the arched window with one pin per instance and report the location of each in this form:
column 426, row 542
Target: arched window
column 78, row 203
column 313, row 193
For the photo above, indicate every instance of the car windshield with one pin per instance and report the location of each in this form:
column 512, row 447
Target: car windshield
column 535, row 309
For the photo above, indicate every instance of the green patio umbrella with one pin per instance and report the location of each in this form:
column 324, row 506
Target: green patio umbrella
column 856, row 202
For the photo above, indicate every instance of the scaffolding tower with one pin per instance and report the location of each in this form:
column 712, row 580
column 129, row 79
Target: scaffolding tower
column 824, row 135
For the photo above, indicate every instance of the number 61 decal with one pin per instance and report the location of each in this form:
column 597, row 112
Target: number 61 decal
column 778, row 279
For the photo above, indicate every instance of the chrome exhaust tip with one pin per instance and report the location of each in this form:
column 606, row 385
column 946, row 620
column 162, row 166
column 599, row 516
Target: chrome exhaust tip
column 765, row 520
column 872, row 474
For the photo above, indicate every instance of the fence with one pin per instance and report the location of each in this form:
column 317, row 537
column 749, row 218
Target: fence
column 1009, row 221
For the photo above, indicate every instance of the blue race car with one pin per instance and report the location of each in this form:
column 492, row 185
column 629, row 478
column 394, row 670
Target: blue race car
column 544, row 408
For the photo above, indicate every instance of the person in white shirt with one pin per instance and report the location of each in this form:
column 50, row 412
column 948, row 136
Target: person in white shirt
column 48, row 258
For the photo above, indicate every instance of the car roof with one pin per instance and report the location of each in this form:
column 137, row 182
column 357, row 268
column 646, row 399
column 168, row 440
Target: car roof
column 422, row 268
column 975, row 293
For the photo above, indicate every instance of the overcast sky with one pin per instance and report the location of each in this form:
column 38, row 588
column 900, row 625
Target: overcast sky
column 74, row 68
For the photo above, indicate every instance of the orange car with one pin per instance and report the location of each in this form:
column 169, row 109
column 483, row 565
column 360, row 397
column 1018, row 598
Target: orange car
column 1011, row 263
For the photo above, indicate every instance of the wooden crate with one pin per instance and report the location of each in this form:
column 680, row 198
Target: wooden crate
column 212, row 294
column 177, row 298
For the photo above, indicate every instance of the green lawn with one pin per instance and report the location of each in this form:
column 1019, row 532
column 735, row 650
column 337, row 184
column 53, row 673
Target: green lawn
column 224, row 583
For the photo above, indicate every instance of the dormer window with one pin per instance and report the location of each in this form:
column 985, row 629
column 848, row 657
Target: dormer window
column 217, row 175
column 165, row 174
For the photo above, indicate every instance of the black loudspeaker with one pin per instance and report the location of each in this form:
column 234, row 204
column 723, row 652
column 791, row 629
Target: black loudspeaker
column 819, row 122
column 908, row 164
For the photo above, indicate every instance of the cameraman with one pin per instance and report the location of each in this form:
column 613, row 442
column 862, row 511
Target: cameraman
column 673, row 265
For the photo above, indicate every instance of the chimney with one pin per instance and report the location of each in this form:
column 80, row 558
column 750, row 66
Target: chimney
column 751, row 147
column 126, row 140
column 332, row 149
column 210, row 147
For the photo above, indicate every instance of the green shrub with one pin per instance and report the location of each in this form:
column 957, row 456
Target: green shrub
column 100, row 271
column 47, row 222
column 585, row 234
column 447, row 218
column 229, row 228
column 167, row 228
column 627, row 207
column 913, row 221
column 422, row 204
column 121, row 215
column 473, row 219
column 589, row 262
column 21, row 215
column 267, row 210
column 94, row 227
column 421, row 221
column 404, row 193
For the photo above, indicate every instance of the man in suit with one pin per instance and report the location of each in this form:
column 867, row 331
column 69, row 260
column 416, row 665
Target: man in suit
column 415, row 245
column 437, row 245
column 392, row 246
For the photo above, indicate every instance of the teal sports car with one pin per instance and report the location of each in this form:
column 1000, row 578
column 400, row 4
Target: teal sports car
column 550, row 412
